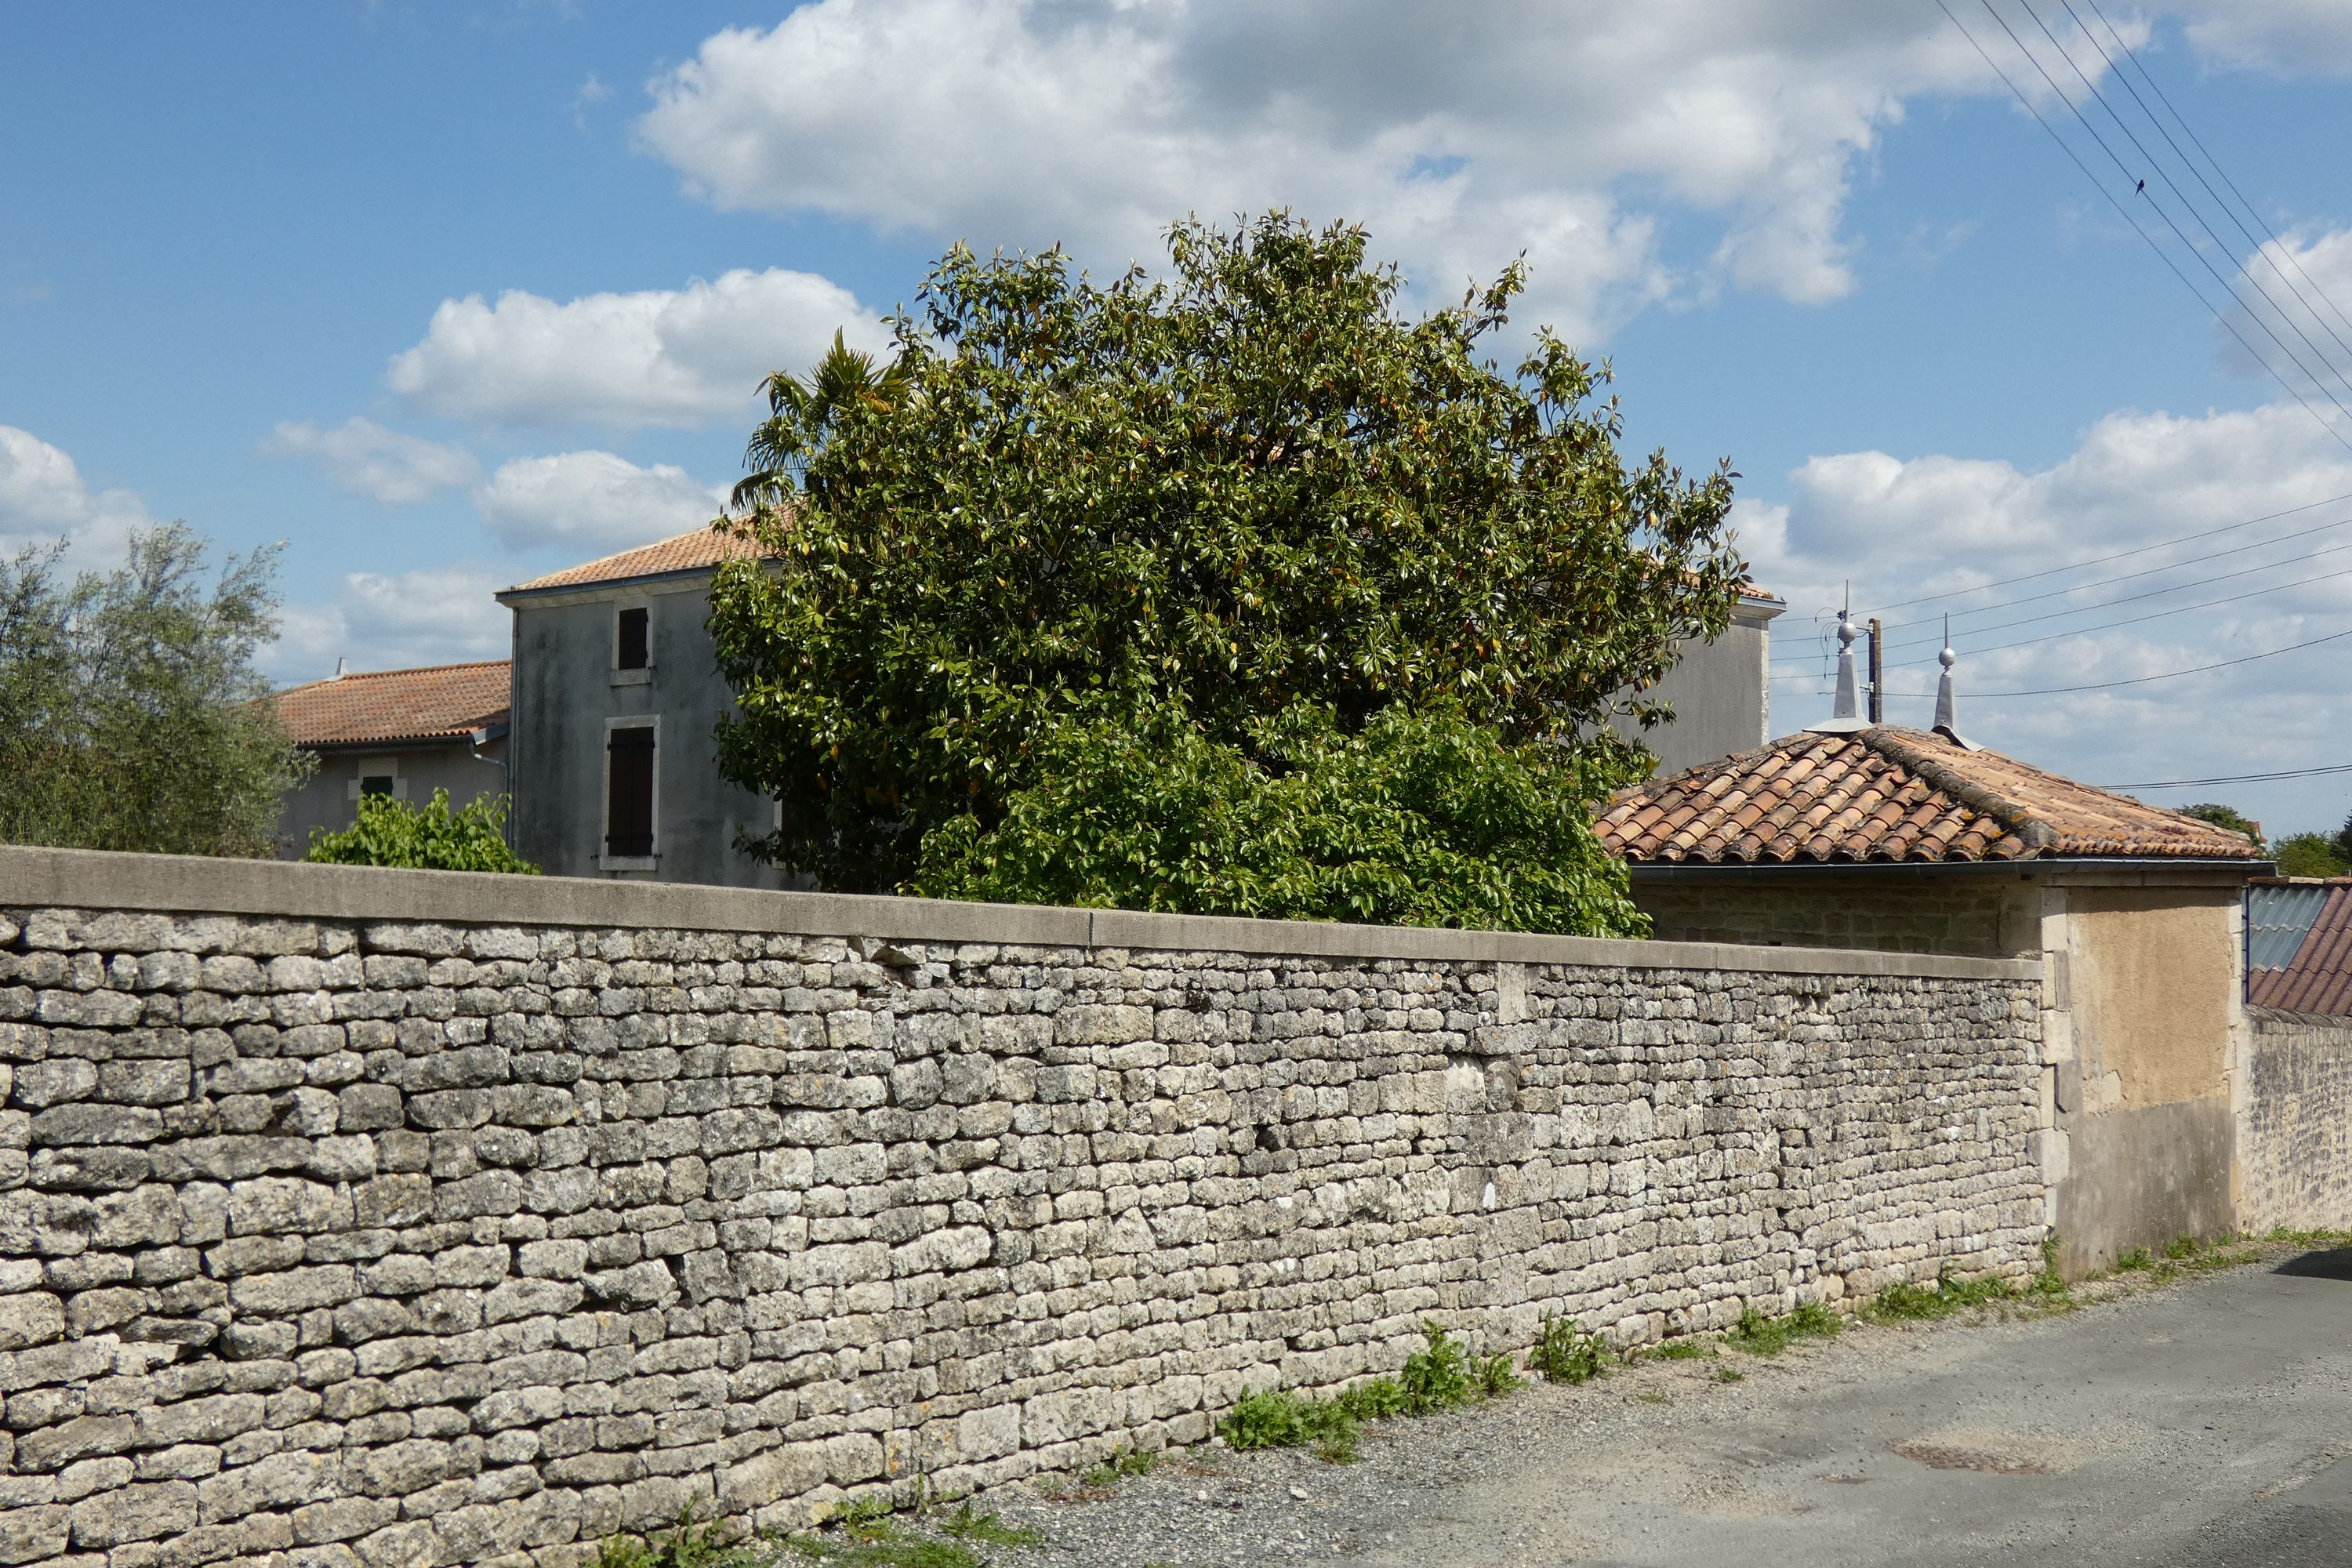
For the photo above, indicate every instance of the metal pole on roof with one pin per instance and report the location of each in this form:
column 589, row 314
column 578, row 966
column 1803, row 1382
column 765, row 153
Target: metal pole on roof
column 1877, row 673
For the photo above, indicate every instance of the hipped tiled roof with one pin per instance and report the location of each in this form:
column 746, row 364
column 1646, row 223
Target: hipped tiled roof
column 1891, row 794
column 2318, row 978
column 705, row 547
column 439, row 702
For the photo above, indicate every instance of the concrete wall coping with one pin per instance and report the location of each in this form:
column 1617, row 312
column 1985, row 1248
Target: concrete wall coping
column 101, row 880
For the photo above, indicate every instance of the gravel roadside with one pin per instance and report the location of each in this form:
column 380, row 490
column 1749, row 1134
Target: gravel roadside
column 1689, row 1444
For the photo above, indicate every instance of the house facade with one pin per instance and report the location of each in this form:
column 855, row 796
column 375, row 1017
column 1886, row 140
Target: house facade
column 1721, row 691
column 398, row 733
column 617, row 700
column 1908, row 841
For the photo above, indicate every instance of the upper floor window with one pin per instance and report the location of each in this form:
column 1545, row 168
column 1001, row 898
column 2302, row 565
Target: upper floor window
column 631, row 643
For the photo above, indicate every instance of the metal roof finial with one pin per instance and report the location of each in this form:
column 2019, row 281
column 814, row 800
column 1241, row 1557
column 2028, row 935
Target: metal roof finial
column 1846, row 716
column 1948, row 704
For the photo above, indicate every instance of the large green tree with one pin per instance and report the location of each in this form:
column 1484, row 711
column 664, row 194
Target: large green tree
column 130, row 712
column 1246, row 502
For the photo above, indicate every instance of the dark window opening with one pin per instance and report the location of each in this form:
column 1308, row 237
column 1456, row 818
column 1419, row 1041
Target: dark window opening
column 376, row 783
column 629, row 792
column 632, row 648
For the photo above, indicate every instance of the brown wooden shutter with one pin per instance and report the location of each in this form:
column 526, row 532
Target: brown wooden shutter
column 632, row 648
column 629, row 792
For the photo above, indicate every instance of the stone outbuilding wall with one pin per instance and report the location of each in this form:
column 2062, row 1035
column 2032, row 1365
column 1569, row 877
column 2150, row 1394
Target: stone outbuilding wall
column 396, row 1219
column 2294, row 1122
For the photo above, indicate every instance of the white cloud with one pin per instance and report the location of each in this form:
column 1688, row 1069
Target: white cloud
column 593, row 499
column 44, row 498
column 2296, row 37
column 680, row 357
column 1460, row 134
column 394, row 621
column 1901, row 529
column 2294, row 310
column 361, row 458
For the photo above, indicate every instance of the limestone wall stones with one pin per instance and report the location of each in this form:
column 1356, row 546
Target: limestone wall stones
column 2294, row 1122
column 341, row 1244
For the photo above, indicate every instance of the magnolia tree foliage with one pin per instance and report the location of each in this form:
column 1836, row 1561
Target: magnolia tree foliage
column 1100, row 584
column 130, row 714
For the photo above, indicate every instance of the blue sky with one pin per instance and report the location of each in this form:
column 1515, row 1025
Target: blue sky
column 443, row 296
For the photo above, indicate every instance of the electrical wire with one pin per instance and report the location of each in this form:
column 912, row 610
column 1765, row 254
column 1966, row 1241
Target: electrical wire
column 2132, row 620
column 2137, row 227
column 2128, row 577
column 2233, row 778
column 2169, row 674
column 2190, row 164
column 2157, row 164
column 2124, row 169
column 2103, row 559
column 2198, row 143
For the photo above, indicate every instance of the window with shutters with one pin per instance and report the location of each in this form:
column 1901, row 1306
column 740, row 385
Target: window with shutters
column 629, row 752
column 632, row 645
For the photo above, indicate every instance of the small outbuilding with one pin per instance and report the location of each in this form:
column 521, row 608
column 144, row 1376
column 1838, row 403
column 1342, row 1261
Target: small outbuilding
column 1876, row 836
column 398, row 733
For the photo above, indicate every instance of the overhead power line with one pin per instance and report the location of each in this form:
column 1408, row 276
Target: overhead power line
column 2219, row 173
column 2134, row 620
column 2134, row 577
column 2228, row 291
column 2103, row 559
column 2125, row 599
column 2234, row 778
column 2196, row 215
column 2186, row 203
column 2169, row 674
column 2137, row 226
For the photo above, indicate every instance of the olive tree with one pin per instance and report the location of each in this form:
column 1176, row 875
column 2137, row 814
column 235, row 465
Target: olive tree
column 131, row 716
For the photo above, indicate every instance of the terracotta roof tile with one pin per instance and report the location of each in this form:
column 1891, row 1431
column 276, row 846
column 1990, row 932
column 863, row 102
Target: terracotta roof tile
column 2318, row 978
column 435, row 703
column 697, row 551
column 1891, row 794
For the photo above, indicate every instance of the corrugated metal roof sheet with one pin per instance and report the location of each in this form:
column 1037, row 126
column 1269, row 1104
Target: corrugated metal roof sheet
column 2318, row 978
column 2279, row 915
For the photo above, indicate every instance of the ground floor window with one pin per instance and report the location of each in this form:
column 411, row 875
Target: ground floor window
column 629, row 753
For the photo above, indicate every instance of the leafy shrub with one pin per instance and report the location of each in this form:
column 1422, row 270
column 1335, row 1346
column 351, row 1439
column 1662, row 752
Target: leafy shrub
column 1907, row 1302
column 1566, row 1354
column 1422, row 817
column 429, row 837
column 988, row 1529
column 1441, row 1375
column 1760, row 1335
column 2310, row 855
column 690, row 1542
column 1437, row 1375
column 1278, row 1418
column 1118, row 1467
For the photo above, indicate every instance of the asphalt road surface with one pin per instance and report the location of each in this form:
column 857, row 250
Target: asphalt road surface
column 2207, row 1422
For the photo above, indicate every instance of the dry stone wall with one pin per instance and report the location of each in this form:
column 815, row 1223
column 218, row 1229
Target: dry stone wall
column 361, row 1243
column 2294, row 1122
